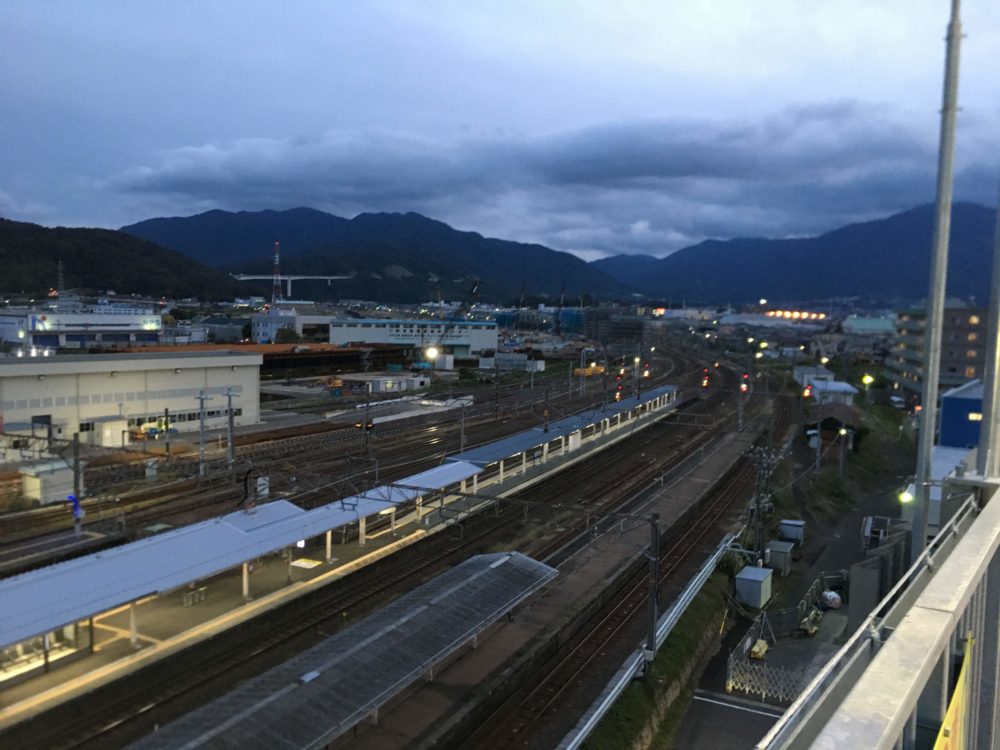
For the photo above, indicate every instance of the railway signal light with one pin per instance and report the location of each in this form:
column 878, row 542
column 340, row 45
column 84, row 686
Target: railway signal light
column 808, row 391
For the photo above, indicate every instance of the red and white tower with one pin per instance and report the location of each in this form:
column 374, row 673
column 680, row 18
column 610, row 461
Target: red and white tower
column 276, row 285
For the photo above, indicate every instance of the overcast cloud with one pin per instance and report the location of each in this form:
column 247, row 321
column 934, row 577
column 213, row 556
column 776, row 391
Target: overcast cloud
column 614, row 128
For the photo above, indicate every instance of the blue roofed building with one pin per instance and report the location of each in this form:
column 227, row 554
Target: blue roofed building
column 961, row 415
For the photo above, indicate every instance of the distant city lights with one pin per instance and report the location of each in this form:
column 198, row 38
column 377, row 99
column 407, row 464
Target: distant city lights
column 795, row 315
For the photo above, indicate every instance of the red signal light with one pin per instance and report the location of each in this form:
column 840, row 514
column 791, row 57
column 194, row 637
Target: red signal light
column 808, row 392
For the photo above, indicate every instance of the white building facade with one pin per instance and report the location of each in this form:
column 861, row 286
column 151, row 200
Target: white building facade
column 83, row 393
column 463, row 338
column 94, row 326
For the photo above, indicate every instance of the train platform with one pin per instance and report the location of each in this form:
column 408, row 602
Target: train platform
column 431, row 709
column 317, row 695
column 128, row 637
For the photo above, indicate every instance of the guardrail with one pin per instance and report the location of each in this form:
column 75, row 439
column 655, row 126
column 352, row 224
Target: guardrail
column 889, row 685
column 634, row 663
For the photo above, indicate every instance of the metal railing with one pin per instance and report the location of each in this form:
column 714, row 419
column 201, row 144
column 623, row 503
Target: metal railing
column 889, row 685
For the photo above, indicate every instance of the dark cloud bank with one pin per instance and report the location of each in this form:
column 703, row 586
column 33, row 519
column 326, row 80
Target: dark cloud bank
column 633, row 187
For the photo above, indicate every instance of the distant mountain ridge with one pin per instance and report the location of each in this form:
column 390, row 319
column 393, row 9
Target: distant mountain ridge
column 393, row 257
column 100, row 259
column 887, row 258
column 409, row 257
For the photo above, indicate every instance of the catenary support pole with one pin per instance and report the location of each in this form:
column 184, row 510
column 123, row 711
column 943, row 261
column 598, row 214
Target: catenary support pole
column 987, row 463
column 935, row 296
column 77, row 486
column 654, row 576
column 230, row 445
column 202, row 398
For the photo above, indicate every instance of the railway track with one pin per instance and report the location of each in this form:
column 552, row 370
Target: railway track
column 516, row 722
column 512, row 725
column 129, row 708
column 193, row 497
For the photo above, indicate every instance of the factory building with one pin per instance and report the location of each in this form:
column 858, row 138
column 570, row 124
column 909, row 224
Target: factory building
column 311, row 327
column 77, row 326
column 104, row 396
column 463, row 338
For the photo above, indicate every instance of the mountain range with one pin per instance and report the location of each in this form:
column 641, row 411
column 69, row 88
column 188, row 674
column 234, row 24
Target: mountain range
column 101, row 259
column 392, row 257
column 411, row 258
column 885, row 259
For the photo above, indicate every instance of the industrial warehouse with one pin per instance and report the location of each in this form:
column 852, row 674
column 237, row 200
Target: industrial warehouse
column 184, row 585
column 105, row 397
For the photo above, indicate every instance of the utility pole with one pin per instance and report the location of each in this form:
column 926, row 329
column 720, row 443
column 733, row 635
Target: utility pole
column 739, row 409
column 496, row 389
column 202, row 398
column 77, row 511
column 166, row 429
column 637, row 361
column 765, row 461
column 654, row 577
column 936, row 293
column 842, row 433
column 461, row 439
column 366, row 437
column 604, row 378
column 230, row 447
column 545, row 411
column 819, row 441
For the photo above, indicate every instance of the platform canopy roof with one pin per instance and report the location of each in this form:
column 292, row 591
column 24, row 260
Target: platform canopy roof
column 44, row 599
column 537, row 436
column 320, row 694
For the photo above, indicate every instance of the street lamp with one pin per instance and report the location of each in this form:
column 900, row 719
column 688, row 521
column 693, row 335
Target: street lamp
column 432, row 353
column 824, row 360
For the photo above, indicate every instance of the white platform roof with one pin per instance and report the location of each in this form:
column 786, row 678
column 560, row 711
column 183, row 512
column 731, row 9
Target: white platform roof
column 832, row 386
column 321, row 693
column 44, row 599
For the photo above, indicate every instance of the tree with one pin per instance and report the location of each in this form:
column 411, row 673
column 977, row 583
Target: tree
column 287, row 336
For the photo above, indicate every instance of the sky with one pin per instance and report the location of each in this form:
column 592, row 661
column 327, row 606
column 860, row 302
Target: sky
column 591, row 127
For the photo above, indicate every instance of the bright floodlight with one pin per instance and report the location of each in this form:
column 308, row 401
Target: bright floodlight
column 843, row 431
column 824, row 360
column 432, row 352
column 750, row 340
column 905, row 497
column 867, row 379
column 763, row 301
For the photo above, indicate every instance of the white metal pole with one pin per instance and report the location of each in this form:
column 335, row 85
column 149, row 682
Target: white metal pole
column 231, row 451
column 935, row 295
column 202, row 398
column 987, row 463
